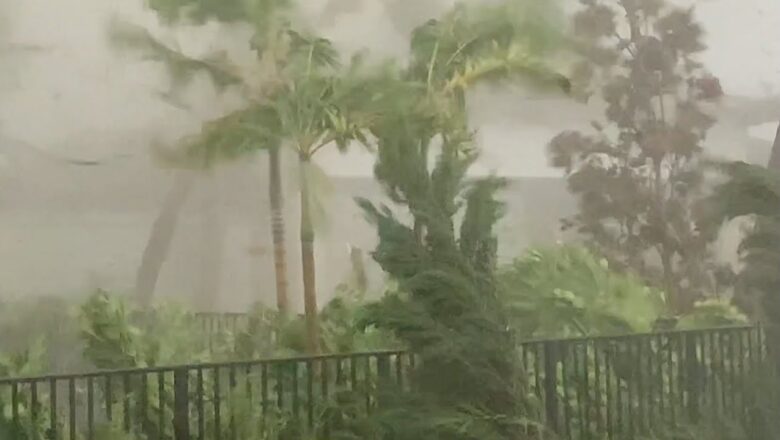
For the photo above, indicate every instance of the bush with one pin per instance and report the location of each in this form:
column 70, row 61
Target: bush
column 568, row 291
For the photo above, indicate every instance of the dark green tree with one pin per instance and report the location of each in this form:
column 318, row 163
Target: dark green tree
column 446, row 308
column 639, row 175
column 436, row 240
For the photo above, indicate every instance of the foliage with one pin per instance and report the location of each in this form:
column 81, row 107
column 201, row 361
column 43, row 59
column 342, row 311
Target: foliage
column 29, row 362
column 49, row 321
column 568, row 291
column 117, row 336
column 639, row 175
column 446, row 308
column 753, row 192
column 712, row 313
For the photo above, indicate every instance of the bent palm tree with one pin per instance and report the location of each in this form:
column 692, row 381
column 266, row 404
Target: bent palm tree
column 161, row 236
column 267, row 20
column 505, row 43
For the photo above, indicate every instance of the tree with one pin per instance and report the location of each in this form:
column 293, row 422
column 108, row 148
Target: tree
column 504, row 43
column 313, row 103
column 752, row 191
column 639, row 175
column 319, row 108
column 446, row 308
column 161, row 236
column 268, row 21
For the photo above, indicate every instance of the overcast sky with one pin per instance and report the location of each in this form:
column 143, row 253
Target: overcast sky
column 77, row 96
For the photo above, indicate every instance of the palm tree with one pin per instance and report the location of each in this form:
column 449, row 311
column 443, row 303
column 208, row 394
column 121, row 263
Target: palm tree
column 161, row 236
column 268, row 20
column 315, row 104
column 774, row 156
column 323, row 107
column 508, row 42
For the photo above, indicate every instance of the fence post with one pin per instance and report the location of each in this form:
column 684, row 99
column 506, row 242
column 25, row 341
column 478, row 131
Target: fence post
column 551, row 384
column 181, row 405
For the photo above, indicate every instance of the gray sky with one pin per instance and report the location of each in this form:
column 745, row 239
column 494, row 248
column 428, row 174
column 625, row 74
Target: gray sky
column 79, row 94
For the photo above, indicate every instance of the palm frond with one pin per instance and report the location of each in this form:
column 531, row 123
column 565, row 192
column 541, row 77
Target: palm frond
column 231, row 137
column 487, row 39
column 132, row 38
column 198, row 11
column 312, row 53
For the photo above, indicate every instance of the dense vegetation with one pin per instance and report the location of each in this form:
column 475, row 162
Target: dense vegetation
column 642, row 262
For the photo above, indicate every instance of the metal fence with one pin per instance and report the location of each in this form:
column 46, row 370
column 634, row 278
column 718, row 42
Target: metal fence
column 589, row 388
column 236, row 401
column 624, row 387
column 218, row 322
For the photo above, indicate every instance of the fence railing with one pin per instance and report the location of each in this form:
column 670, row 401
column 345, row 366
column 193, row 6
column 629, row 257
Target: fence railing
column 235, row 400
column 624, row 387
column 589, row 388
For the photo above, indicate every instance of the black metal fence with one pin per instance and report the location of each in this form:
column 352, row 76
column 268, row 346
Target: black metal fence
column 589, row 388
column 628, row 386
column 237, row 401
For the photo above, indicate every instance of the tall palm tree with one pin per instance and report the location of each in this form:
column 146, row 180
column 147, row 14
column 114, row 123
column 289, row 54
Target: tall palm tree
column 268, row 19
column 314, row 105
column 321, row 105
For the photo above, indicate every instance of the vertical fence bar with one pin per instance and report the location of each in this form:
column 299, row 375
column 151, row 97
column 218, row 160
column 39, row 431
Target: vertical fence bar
column 551, row 385
column 53, row 409
column 72, row 409
column 608, row 401
column 181, row 404
column 90, row 409
column 15, row 406
column 232, row 400
column 126, row 401
column 296, row 402
column 200, row 404
column 563, row 356
column 109, row 398
column 309, row 394
column 597, row 385
column 217, row 404
column 160, row 405
column 583, row 398
column 642, row 371
column 34, row 409
column 143, row 401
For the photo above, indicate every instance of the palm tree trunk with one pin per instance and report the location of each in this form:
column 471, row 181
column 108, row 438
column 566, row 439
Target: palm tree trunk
column 160, row 238
column 211, row 247
column 307, row 263
column 277, row 229
column 774, row 156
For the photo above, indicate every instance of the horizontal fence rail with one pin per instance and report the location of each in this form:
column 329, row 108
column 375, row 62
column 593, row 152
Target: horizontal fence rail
column 588, row 388
column 240, row 400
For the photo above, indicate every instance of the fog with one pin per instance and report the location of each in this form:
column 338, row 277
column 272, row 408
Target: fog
column 79, row 189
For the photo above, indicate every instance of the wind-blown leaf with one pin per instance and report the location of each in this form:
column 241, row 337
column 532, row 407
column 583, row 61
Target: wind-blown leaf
column 231, row 137
column 133, row 38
